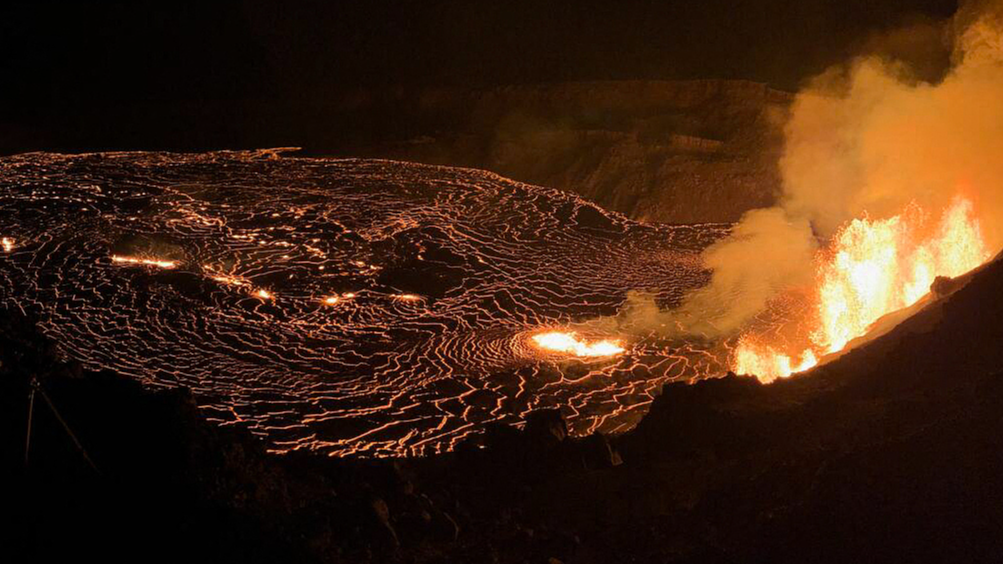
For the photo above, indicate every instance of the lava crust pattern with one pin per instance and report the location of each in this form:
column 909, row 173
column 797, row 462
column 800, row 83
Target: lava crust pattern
column 350, row 307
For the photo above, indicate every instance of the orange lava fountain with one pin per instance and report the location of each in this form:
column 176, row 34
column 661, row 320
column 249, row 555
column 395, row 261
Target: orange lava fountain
column 569, row 343
column 872, row 268
column 142, row 261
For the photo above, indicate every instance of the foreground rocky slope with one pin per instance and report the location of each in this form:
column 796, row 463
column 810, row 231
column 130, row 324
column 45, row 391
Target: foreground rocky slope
column 891, row 453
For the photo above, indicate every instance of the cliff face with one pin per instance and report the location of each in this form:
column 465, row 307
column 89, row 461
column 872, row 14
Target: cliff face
column 670, row 151
column 676, row 152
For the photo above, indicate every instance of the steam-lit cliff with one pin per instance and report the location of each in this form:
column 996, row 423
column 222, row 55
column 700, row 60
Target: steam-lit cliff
column 678, row 152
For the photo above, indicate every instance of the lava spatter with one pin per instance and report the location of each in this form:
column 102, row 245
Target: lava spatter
column 348, row 307
column 144, row 261
column 568, row 342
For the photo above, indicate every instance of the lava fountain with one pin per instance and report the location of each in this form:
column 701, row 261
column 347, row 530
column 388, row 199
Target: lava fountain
column 143, row 261
column 871, row 268
column 568, row 342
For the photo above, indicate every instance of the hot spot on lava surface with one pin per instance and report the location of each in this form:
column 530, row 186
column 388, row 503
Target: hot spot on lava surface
column 351, row 307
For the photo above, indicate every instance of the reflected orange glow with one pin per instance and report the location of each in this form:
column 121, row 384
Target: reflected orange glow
column 569, row 343
column 872, row 268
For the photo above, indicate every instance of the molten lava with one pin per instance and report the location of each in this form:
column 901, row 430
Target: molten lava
column 454, row 272
column 224, row 278
column 872, row 268
column 407, row 297
column 143, row 261
column 569, row 343
column 767, row 363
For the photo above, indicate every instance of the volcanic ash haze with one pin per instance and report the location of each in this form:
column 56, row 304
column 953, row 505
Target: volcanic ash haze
column 878, row 166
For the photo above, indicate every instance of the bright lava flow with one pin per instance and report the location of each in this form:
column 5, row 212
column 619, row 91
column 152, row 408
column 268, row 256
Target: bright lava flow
column 871, row 268
column 349, row 307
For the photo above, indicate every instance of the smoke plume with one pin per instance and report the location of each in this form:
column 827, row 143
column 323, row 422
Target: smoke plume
column 865, row 138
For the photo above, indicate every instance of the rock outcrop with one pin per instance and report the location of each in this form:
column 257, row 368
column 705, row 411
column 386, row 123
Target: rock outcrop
column 677, row 152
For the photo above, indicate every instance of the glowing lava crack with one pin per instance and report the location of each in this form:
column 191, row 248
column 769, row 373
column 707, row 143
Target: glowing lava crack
column 349, row 307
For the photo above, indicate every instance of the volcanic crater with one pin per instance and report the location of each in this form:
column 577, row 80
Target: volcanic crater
column 344, row 306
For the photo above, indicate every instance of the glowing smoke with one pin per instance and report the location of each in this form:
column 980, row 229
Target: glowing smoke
column 767, row 253
column 866, row 139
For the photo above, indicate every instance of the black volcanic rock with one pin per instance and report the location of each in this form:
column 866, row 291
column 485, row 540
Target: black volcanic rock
column 546, row 425
column 598, row 453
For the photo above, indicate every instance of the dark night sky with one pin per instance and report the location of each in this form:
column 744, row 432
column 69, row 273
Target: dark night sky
column 60, row 57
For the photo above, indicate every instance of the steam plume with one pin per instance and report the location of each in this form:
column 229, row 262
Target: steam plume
column 865, row 138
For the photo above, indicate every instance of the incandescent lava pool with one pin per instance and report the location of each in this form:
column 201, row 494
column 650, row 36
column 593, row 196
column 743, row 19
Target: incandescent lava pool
column 350, row 307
